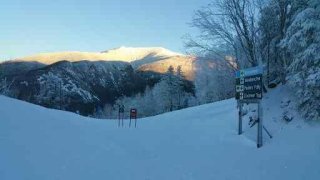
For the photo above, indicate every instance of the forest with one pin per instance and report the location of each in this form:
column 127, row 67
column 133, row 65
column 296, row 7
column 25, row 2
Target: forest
column 283, row 36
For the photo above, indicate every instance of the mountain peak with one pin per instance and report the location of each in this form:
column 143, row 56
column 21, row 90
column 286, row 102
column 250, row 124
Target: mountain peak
column 123, row 53
column 144, row 50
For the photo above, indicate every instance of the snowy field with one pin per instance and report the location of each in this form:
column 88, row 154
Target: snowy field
column 195, row 143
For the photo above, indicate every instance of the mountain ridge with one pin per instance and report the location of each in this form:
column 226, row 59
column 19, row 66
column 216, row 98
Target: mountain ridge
column 127, row 54
column 155, row 59
column 82, row 82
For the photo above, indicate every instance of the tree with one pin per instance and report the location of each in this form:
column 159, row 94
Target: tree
column 302, row 43
column 290, row 31
column 108, row 111
column 214, row 81
column 179, row 72
column 5, row 87
column 227, row 25
column 51, row 91
column 172, row 92
column 167, row 89
column 179, row 84
column 273, row 24
column 270, row 37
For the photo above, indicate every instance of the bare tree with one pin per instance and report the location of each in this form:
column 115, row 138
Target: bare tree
column 225, row 25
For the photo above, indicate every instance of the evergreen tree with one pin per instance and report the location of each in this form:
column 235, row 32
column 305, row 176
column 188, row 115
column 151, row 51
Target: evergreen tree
column 302, row 44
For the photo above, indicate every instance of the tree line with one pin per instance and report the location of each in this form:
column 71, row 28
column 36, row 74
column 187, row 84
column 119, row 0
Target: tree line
column 281, row 35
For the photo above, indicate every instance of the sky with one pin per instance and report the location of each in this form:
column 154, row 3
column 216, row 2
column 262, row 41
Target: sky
column 36, row 26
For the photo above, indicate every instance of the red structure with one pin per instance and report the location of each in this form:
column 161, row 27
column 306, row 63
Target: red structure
column 133, row 115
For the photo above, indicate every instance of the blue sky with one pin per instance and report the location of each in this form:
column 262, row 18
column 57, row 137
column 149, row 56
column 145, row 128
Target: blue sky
column 35, row 26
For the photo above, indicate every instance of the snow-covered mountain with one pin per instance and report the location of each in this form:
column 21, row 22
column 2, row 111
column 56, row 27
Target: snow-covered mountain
column 128, row 54
column 194, row 143
column 155, row 59
column 82, row 81
column 80, row 86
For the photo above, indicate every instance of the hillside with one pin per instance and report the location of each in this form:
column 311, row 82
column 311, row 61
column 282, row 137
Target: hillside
column 79, row 86
column 187, row 64
column 194, row 143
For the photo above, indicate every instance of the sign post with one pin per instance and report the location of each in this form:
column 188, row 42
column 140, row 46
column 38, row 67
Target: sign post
column 260, row 125
column 133, row 115
column 249, row 90
column 240, row 119
column 120, row 115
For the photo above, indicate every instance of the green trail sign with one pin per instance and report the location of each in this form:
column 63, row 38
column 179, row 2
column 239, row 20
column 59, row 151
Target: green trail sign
column 249, row 90
column 249, row 84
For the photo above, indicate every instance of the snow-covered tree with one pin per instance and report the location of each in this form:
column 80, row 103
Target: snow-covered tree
column 50, row 92
column 302, row 45
column 214, row 80
column 147, row 105
column 168, row 94
column 5, row 87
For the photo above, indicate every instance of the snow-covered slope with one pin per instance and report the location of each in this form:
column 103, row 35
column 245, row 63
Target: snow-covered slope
column 186, row 63
column 128, row 54
column 195, row 143
column 132, row 54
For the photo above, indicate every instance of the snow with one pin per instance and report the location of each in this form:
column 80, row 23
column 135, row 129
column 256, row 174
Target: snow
column 127, row 54
column 194, row 143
